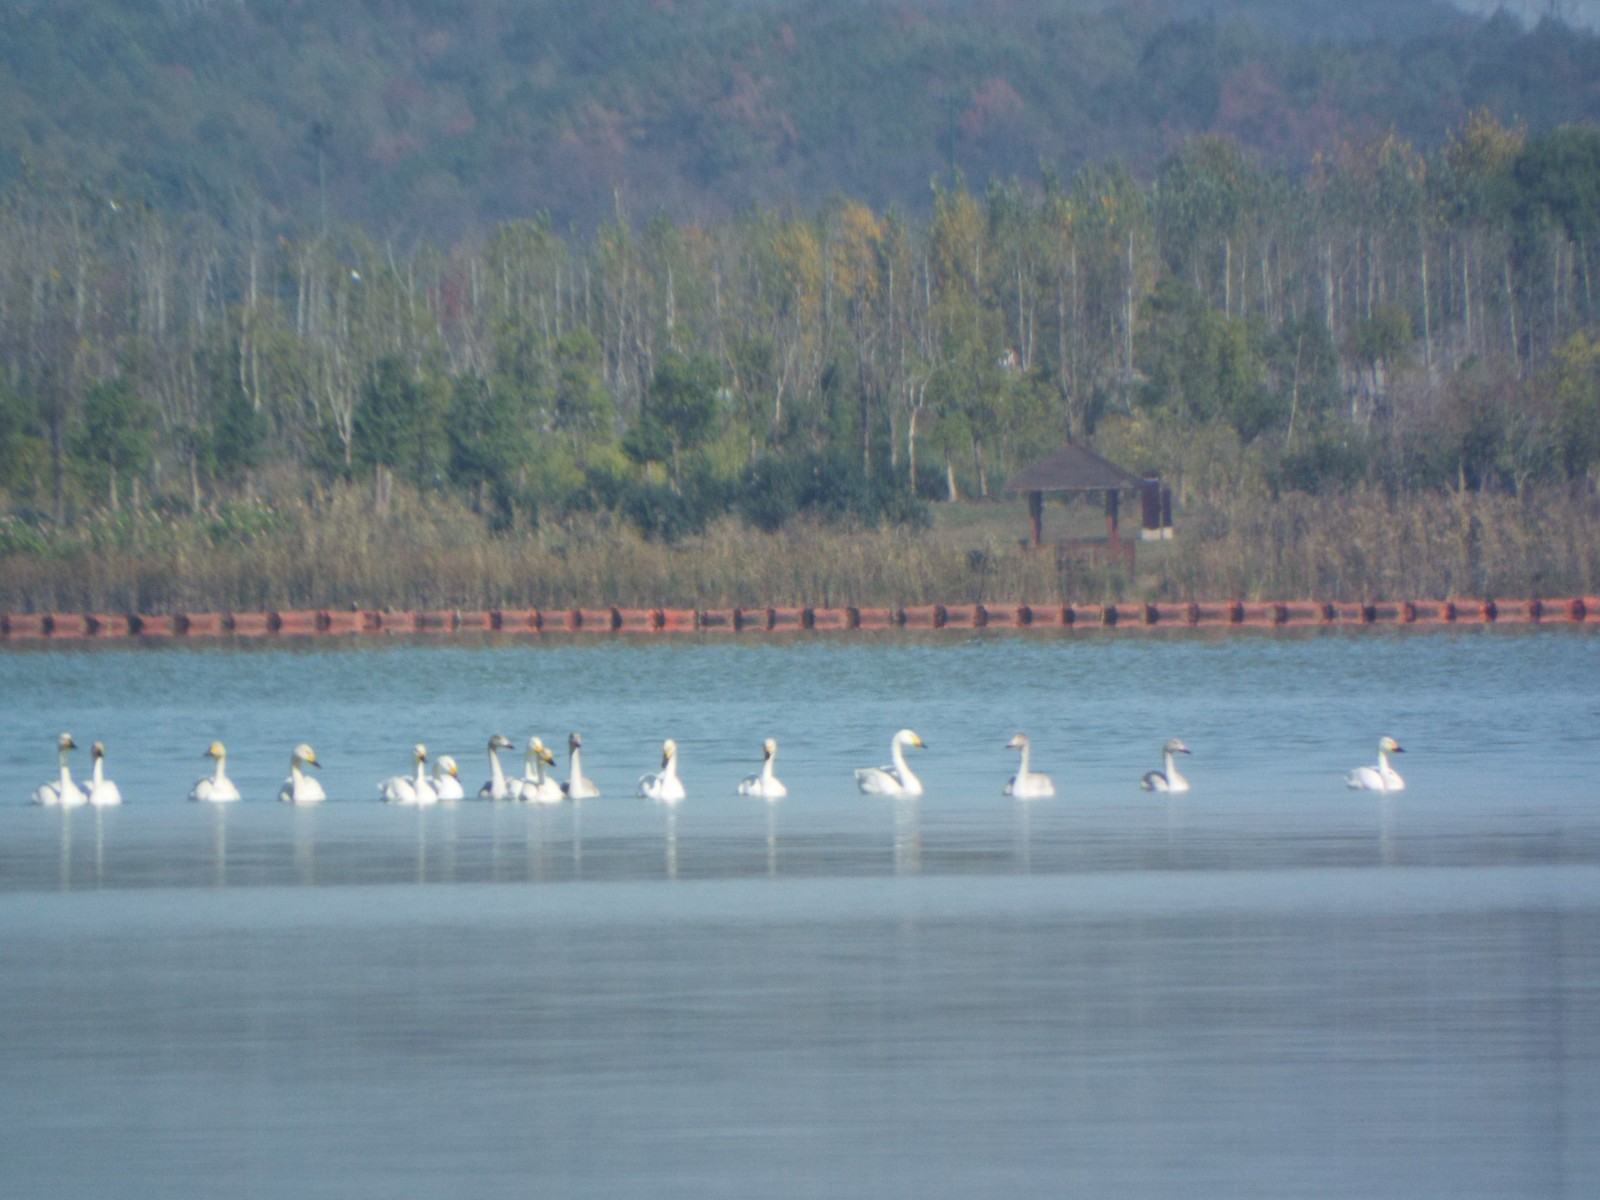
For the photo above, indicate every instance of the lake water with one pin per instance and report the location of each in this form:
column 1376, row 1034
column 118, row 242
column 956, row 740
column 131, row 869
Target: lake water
column 1271, row 986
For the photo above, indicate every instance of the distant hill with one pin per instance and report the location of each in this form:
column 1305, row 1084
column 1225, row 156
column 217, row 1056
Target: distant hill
column 422, row 118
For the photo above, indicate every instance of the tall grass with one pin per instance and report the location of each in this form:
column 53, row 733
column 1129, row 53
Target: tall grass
column 331, row 549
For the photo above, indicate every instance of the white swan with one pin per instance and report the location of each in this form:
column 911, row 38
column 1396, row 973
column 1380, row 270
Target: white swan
column 1168, row 780
column 765, row 784
column 498, row 787
column 1026, row 784
column 537, row 786
column 410, row 789
column 666, row 786
column 300, row 788
column 577, row 787
column 896, row 780
column 216, row 787
column 1383, row 777
column 63, row 791
column 100, row 790
column 446, row 778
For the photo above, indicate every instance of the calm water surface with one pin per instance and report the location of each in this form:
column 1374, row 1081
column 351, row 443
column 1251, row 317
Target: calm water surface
column 1268, row 987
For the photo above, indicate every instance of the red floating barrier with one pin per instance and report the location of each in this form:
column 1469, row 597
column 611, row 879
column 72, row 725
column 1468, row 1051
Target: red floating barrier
column 634, row 620
column 1348, row 613
column 473, row 619
column 341, row 621
column 959, row 616
column 1004, row 616
column 774, row 618
column 67, row 625
column 677, row 620
column 1210, row 614
column 829, row 618
column 1427, row 612
column 153, row 625
column 719, row 620
column 1042, row 616
column 923, row 616
column 1300, row 612
column 246, row 624
column 1576, row 609
column 1083, row 616
column 1514, row 611
column 25, row 625
column 1387, row 613
column 595, row 620
column 514, row 620
column 296, row 622
column 198, row 624
column 875, row 618
column 110, row 625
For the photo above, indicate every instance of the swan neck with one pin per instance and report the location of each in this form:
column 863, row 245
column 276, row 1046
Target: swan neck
column 1023, row 769
column 574, row 766
column 496, row 772
column 898, row 756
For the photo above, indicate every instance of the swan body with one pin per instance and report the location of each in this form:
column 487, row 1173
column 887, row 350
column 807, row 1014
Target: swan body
column 62, row 791
column 765, row 783
column 215, row 788
column 577, row 787
column 665, row 786
column 446, row 779
column 1167, row 780
column 896, row 780
column 498, row 787
column 101, row 791
column 1383, row 777
column 300, row 788
column 537, row 786
column 410, row 789
column 1026, row 784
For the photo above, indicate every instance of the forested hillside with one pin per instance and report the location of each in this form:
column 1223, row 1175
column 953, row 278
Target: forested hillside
column 1374, row 369
column 418, row 118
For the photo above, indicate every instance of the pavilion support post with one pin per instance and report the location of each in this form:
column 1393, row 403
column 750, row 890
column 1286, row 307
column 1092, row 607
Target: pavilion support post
column 1111, row 514
column 1036, row 516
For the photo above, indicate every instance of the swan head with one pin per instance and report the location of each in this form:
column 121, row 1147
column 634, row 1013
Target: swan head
column 907, row 738
column 499, row 742
column 769, row 747
column 537, row 749
column 1018, row 741
column 1175, row 746
column 98, row 750
column 215, row 750
column 1387, row 745
column 419, row 752
column 574, row 742
column 669, row 750
column 65, row 743
column 303, row 753
column 446, row 764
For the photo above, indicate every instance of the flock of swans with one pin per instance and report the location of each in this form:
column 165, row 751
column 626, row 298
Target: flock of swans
column 537, row 786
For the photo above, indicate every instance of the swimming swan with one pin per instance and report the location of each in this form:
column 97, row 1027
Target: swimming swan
column 216, row 787
column 666, row 786
column 537, row 786
column 63, row 791
column 765, row 784
column 1168, row 780
column 446, row 778
column 498, row 787
column 1026, row 784
column 896, row 780
column 100, row 790
column 300, row 788
column 577, row 787
column 1383, row 777
column 410, row 789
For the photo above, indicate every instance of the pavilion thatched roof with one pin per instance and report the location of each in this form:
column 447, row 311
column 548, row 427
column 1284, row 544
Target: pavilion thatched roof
column 1071, row 469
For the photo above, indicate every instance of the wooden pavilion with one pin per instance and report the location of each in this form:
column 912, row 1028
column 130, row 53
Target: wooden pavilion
column 1074, row 469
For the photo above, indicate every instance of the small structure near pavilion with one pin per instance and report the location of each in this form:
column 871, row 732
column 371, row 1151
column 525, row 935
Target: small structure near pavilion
column 1074, row 469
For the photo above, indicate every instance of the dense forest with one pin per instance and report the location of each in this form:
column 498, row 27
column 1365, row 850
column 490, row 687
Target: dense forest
column 1304, row 351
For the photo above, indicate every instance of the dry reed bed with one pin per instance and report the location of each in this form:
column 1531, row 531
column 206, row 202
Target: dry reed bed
column 429, row 554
